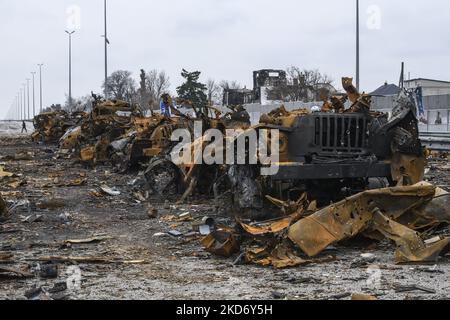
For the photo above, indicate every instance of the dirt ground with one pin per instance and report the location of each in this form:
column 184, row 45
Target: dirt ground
column 146, row 264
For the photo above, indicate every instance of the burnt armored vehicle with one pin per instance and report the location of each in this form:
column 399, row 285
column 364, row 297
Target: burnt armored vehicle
column 327, row 154
column 336, row 151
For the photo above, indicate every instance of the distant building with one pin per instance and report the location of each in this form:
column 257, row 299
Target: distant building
column 272, row 86
column 432, row 98
column 265, row 80
column 386, row 90
column 235, row 97
column 383, row 97
column 429, row 87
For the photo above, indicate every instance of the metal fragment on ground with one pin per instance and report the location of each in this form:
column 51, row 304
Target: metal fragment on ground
column 222, row 242
column 353, row 215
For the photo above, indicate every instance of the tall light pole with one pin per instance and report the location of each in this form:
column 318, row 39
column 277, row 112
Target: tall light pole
column 70, row 66
column 24, row 101
column 14, row 109
column 16, row 116
column 28, row 95
column 40, row 86
column 34, row 100
column 11, row 111
column 357, row 44
column 20, row 103
column 17, row 107
column 106, row 50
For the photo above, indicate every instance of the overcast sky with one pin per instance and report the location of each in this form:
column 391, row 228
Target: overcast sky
column 225, row 39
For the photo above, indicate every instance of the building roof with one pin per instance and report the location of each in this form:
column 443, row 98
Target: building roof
column 386, row 90
column 424, row 79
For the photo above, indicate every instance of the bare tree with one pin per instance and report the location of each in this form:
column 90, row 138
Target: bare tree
column 156, row 84
column 304, row 85
column 214, row 92
column 225, row 85
column 83, row 103
column 121, row 86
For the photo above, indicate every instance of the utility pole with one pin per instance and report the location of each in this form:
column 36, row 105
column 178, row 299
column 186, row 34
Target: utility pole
column 106, row 50
column 357, row 45
column 40, row 86
column 34, row 99
column 70, row 67
column 28, row 95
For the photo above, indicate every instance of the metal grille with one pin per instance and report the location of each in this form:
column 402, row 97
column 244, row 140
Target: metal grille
column 337, row 133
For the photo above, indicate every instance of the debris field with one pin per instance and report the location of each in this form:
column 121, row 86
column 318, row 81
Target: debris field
column 91, row 207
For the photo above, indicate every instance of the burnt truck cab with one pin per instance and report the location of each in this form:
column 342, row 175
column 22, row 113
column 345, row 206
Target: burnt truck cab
column 331, row 146
column 332, row 154
column 353, row 144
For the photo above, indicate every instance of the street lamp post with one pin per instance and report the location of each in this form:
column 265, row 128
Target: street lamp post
column 24, row 101
column 357, row 45
column 28, row 98
column 106, row 50
column 34, row 101
column 70, row 66
column 20, row 104
column 17, row 108
column 40, row 86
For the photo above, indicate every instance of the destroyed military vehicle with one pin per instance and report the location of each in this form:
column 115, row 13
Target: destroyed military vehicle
column 118, row 133
column 339, row 152
column 329, row 155
column 345, row 148
column 51, row 126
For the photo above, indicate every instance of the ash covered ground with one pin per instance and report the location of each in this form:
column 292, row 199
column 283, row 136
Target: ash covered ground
column 141, row 261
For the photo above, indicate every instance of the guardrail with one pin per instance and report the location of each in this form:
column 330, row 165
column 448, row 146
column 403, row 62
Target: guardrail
column 438, row 141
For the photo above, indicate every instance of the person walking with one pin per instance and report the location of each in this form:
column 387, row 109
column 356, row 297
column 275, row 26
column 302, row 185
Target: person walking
column 24, row 127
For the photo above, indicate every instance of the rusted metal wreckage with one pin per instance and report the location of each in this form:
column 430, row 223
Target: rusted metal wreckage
column 51, row 126
column 369, row 165
column 328, row 154
column 337, row 152
column 117, row 132
column 3, row 208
